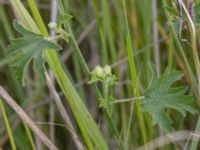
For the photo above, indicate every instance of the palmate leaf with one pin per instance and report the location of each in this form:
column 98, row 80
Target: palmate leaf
column 160, row 95
column 31, row 46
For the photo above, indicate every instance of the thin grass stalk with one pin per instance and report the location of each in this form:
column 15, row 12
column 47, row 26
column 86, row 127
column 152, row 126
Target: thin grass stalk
column 167, row 139
column 170, row 54
column 136, row 93
column 133, row 72
column 169, row 41
column 78, row 75
column 103, row 49
column 53, row 18
column 127, row 100
column 107, row 27
column 52, row 119
column 155, row 37
column 7, row 124
column 148, row 38
column 30, row 138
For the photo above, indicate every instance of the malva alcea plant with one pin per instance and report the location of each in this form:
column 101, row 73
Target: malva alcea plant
column 109, row 105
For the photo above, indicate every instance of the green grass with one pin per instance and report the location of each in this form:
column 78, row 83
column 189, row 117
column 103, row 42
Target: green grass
column 7, row 124
column 107, row 114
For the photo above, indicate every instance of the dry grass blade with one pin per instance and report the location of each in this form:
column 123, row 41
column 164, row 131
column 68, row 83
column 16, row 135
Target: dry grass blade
column 155, row 37
column 63, row 113
column 167, row 139
column 54, row 15
column 41, row 6
column 26, row 119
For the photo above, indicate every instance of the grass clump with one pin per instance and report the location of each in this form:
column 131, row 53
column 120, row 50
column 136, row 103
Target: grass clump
column 148, row 83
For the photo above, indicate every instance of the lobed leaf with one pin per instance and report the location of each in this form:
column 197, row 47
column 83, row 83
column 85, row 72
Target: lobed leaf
column 161, row 96
column 23, row 50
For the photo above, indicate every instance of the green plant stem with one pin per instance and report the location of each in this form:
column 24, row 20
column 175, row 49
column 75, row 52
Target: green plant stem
column 78, row 75
column 127, row 100
column 8, row 128
column 109, row 113
column 29, row 136
column 170, row 54
column 107, row 26
column 103, row 49
column 106, row 95
column 37, row 17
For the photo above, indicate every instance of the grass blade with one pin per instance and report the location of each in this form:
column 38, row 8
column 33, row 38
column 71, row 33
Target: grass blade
column 28, row 132
column 8, row 128
column 134, row 80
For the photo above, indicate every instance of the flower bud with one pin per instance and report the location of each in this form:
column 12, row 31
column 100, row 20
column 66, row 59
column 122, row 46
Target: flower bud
column 52, row 25
column 98, row 71
column 107, row 70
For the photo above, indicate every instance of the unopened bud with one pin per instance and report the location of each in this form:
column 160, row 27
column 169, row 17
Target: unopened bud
column 98, row 71
column 52, row 25
column 107, row 70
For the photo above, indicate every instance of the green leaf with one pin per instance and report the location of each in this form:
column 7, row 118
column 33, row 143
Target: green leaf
column 160, row 95
column 171, row 10
column 31, row 46
column 63, row 18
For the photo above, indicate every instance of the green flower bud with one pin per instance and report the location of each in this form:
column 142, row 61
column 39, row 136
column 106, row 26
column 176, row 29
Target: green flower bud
column 99, row 72
column 52, row 25
column 107, row 70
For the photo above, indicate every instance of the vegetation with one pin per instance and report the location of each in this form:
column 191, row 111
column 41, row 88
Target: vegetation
column 109, row 74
